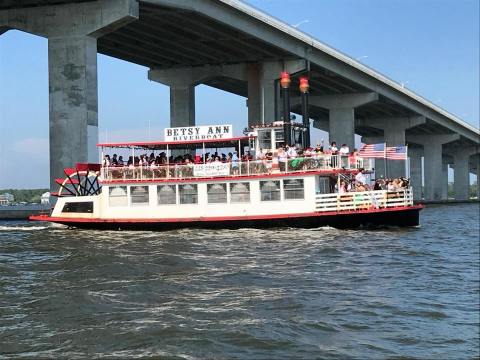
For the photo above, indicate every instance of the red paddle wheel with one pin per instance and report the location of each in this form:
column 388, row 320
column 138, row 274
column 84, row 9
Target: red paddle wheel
column 81, row 180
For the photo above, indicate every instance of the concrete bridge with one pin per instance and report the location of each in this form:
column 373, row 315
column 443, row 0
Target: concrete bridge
column 231, row 46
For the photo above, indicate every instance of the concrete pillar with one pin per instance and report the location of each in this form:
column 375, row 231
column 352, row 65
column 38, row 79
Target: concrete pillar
column 433, row 170
column 73, row 102
column 264, row 90
column 342, row 126
column 254, row 100
column 416, row 175
column 182, row 82
column 72, row 31
column 478, row 181
column 432, row 148
column 461, row 176
column 445, row 180
column 182, row 105
column 341, row 114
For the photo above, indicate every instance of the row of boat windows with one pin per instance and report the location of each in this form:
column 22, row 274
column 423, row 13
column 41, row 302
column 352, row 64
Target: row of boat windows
column 217, row 193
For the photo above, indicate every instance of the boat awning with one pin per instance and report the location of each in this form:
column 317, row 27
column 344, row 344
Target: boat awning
column 188, row 144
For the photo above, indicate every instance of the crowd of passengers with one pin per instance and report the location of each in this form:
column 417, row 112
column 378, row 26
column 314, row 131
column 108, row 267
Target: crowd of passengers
column 282, row 154
column 359, row 183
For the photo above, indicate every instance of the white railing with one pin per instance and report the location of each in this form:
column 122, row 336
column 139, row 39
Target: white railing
column 245, row 168
column 364, row 200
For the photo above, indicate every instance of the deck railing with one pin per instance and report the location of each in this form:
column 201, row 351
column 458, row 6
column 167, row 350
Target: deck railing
column 364, row 200
column 245, row 168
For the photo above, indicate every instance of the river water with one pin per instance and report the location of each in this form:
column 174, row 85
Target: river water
column 243, row 294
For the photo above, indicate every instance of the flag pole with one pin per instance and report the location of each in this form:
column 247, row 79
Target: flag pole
column 385, row 158
column 407, row 168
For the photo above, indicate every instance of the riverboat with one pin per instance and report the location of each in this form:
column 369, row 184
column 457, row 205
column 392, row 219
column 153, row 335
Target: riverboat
column 256, row 186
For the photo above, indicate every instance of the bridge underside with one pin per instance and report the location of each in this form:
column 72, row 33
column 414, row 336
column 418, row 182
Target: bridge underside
column 212, row 42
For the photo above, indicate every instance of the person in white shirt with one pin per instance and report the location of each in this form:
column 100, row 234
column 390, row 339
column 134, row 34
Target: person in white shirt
column 282, row 158
column 344, row 150
column 333, row 147
column 360, row 178
column 292, row 152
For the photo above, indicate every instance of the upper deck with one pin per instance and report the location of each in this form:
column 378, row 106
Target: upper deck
column 327, row 164
column 201, row 153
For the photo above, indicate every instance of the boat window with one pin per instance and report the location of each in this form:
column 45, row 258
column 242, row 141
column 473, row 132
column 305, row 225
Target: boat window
column 279, row 138
column 188, row 194
column 323, row 185
column 118, row 196
column 240, row 192
column 139, row 195
column 167, row 194
column 265, row 139
column 293, row 189
column 270, row 190
column 78, row 207
column 217, row 193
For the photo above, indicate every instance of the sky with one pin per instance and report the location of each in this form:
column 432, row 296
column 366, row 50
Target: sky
column 430, row 46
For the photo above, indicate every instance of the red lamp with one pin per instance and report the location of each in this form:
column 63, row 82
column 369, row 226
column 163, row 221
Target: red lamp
column 304, row 86
column 285, row 80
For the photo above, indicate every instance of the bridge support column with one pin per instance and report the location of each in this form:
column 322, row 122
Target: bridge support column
column 445, row 180
column 478, row 179
column 182, row 105
column 264, row 89
column 342, row 114
column 72, row 31
column 461, row 176
column 432, row 148
column 416, row 174
column 182, row 82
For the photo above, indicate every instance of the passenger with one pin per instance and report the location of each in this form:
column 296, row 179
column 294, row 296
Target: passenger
column 114, row 160
column 352, row 159
column 308, row 151
column 333, row 148
column 106, row 161
column 360, row 177
column 268, row 161
column 390, row 185
column 344, row 150
column 120, row 161
column 235, row 165
column 282, row 158
column 291, row 152
column 319, row 149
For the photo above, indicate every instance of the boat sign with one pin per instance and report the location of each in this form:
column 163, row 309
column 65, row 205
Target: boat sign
column 211, row 169
column 199, row 133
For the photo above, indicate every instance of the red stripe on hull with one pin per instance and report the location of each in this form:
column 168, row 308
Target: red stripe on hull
column 74, row 221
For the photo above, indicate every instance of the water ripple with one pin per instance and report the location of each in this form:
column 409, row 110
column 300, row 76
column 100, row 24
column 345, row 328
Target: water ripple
column 243, row 294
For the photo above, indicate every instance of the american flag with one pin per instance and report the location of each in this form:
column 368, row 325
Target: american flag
column 372, row 151
column 397, row 152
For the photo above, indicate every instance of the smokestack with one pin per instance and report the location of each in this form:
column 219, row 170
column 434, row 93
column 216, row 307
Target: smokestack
column 285, row 84
column 304, row 87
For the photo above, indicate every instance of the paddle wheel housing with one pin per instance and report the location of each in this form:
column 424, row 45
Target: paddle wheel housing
column 81, row 180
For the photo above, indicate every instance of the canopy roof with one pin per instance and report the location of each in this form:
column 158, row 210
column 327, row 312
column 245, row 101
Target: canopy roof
column 189, row 144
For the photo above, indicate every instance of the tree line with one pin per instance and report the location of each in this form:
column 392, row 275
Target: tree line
column 25, row 195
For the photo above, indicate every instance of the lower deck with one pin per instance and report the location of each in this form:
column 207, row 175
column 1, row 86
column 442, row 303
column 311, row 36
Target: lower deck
column 307, row 199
